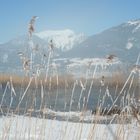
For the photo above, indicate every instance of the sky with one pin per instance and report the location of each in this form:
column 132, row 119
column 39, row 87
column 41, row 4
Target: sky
column 82, row 16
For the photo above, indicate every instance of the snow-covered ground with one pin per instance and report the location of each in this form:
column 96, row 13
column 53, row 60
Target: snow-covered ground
column 27, row 128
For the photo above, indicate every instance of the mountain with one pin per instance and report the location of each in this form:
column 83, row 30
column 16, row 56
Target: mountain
column 122, row 41
column 63, row 39
column 9, row 59
column 76, row 50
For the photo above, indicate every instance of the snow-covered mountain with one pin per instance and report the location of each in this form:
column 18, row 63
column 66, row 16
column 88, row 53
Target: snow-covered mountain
column 63, row 39
column 122, row 41
column 135, row 24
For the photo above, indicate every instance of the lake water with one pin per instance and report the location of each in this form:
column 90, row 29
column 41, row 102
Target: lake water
column 65, row 99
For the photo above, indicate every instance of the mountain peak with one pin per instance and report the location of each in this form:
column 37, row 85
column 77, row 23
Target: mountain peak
column 52, row 33
column 64, row 39
column 134, row 22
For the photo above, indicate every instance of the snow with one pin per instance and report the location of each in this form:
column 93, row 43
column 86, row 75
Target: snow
column 25, row 128
column 133, row 22
column 64, row 39
column 129, row 45
column 74, row 62
column 136, row 24
column 78, row 66
column 86, row 116
column 49, row 33
column 92, row 61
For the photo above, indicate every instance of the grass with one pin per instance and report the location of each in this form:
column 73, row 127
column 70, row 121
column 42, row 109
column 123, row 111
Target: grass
column 115, row 79
column 44, row 130
column 24, row 80
column 38, row 96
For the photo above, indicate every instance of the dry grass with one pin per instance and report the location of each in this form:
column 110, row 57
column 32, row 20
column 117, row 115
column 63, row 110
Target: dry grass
column 63, row 80
column 24, row 80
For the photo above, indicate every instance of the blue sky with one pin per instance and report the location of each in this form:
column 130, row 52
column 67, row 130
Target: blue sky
column 87, row 16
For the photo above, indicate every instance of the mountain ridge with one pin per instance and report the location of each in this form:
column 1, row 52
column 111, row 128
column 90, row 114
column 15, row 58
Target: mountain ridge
column 122, row 40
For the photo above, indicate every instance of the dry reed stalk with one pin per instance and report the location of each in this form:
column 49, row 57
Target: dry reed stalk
column 25, row 91
column 6, row 129
column 71, row 101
